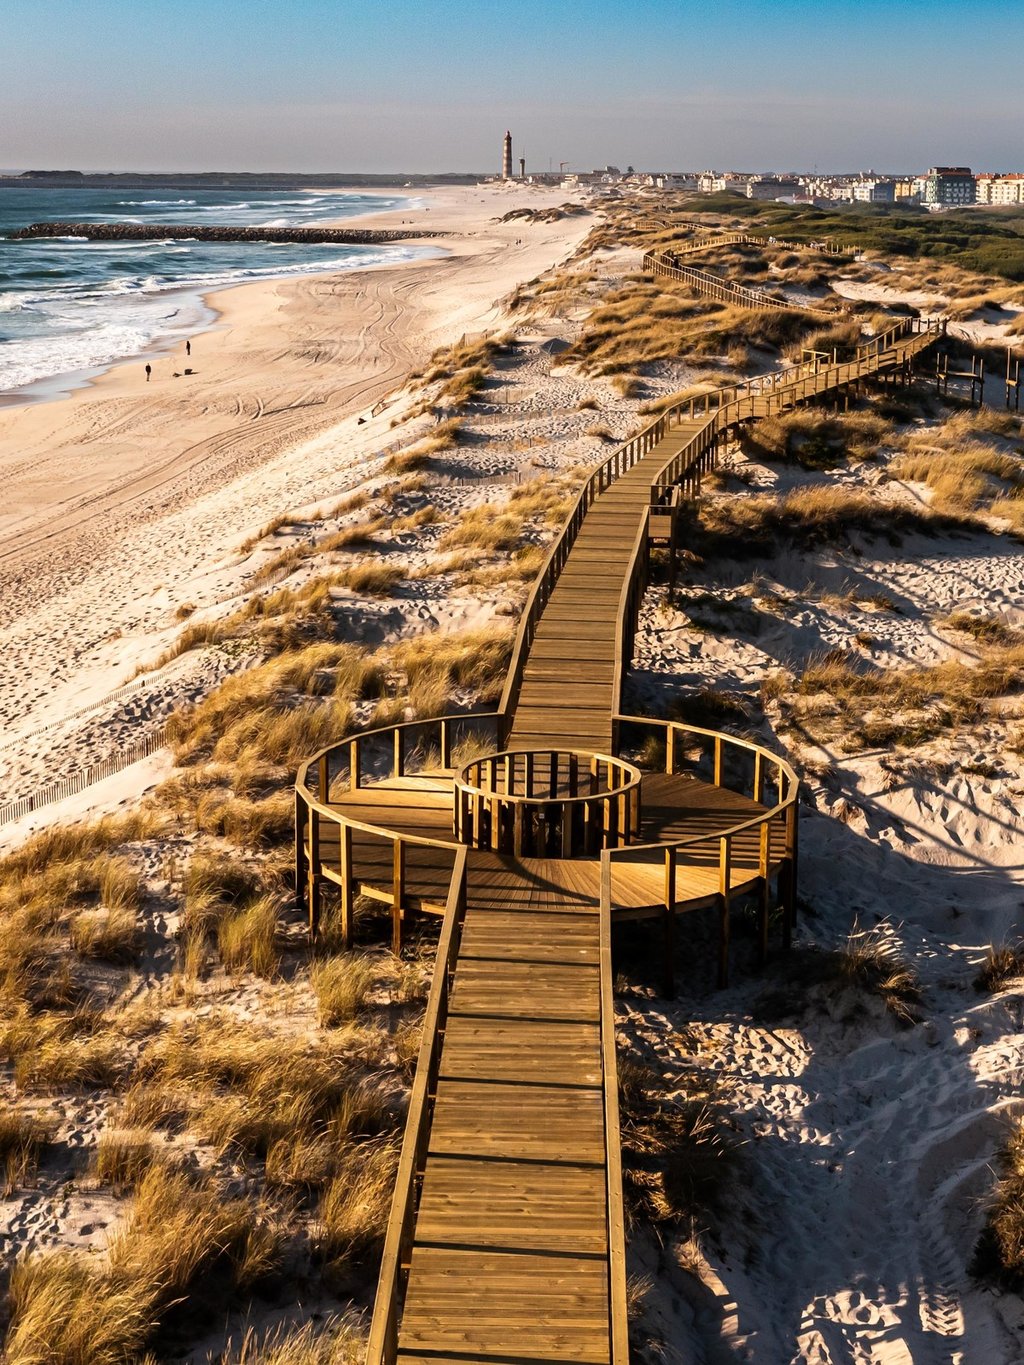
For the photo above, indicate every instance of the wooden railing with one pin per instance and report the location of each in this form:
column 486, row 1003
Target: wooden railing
column 618, row 1317
column 383, row 1341
column 714, row 287
column 758, row 771
column 606, row 473
column 359, row 760
column 728, row 238
column 547, row 803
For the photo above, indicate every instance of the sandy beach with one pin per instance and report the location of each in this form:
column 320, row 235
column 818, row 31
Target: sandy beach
column 128, row 499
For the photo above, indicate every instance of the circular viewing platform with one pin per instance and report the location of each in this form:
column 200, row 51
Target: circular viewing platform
column 681, row 817
column 547, row 803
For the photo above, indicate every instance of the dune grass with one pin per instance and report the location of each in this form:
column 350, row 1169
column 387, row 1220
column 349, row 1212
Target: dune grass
column 24, row 1137
column 64, row 1051
column 1002, row 966
column 987, row 630
column 109, row 935
column 122, row 1157
column 903, row 706
column 372, row 577
column 247, row 937
column 342, row 985
column 871, row 959
column 746, row 527
column 805, row 437
column 336, row 1340
column 650, row 321
column 444, row 436
column 679, row 1153
column 353, row 1211
column 999, row 1255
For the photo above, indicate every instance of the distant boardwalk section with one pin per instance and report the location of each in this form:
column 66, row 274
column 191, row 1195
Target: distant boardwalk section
column 159, row 232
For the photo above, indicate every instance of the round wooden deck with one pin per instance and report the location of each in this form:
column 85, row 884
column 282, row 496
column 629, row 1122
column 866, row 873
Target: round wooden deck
column 673, row 807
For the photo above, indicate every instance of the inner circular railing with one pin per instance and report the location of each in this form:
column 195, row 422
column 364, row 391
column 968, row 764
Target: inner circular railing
column 547, row 803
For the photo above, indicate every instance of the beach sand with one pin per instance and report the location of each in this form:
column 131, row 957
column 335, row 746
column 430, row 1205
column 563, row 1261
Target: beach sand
column 128, row 499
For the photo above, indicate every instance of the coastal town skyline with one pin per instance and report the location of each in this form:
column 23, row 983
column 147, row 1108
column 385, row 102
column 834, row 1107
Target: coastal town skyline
column 329, row 86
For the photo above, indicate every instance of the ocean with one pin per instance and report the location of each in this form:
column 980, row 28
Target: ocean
column 70, row 308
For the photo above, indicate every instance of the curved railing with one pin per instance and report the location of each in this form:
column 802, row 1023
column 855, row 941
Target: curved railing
column 773, row 831
column 363, row 759
column 547, row 803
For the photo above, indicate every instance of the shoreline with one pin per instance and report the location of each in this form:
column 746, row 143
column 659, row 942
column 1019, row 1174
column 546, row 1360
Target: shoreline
column 65, row 383
column 128, row 500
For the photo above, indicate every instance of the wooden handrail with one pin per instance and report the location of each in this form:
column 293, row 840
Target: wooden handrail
column 721, row 739
column 725, row 291
column 618, row 1318
column 383, row 1340
column 553, row 821
column 727, row 237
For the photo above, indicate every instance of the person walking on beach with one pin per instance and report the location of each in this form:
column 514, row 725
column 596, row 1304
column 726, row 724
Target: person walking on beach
column 149, row 371
column 188, row 348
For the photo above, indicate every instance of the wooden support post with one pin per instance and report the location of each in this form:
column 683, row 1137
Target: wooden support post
column 764, row 868
column 398, row 764
column 397, row 895
column 354, row 776
column 322, row 780
column 301, row 815
column 446, row 745
column 788, row 878
column 668, row 927
column 518, row 829
column 718, row 760
column 347, row 895
column 724, row 897
column 313, row 872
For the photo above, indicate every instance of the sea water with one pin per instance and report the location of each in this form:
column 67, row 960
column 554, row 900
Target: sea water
column 70, row 307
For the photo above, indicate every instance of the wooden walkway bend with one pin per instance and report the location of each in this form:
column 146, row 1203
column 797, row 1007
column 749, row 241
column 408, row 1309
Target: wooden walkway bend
column 506, row 1238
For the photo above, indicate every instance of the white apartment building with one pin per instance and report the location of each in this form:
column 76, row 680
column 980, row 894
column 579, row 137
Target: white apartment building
column 1000, row 189
column 873, row 191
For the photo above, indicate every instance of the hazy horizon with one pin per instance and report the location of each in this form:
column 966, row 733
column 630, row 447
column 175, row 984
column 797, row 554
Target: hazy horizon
column 246, row 85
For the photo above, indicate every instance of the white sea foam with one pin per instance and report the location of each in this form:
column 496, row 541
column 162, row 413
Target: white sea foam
column 89, row 329
column 73, row 304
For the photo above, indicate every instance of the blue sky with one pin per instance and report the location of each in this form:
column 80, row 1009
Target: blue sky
column 411, row 86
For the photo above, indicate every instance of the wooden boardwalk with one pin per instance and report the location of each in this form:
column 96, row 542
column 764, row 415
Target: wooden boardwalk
column 510, row 1259
column 506, row 1239
column 568, row 694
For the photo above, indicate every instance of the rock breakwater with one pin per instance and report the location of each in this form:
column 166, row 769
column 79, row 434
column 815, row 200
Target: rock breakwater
column 158, row 232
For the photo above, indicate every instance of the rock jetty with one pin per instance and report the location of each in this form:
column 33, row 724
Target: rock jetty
column 155, row 232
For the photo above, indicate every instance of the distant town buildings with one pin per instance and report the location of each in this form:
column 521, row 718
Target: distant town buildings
column 999, row 189
column 874, row 191
column 941, row 187
column 952, row 185
column 773, row 187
